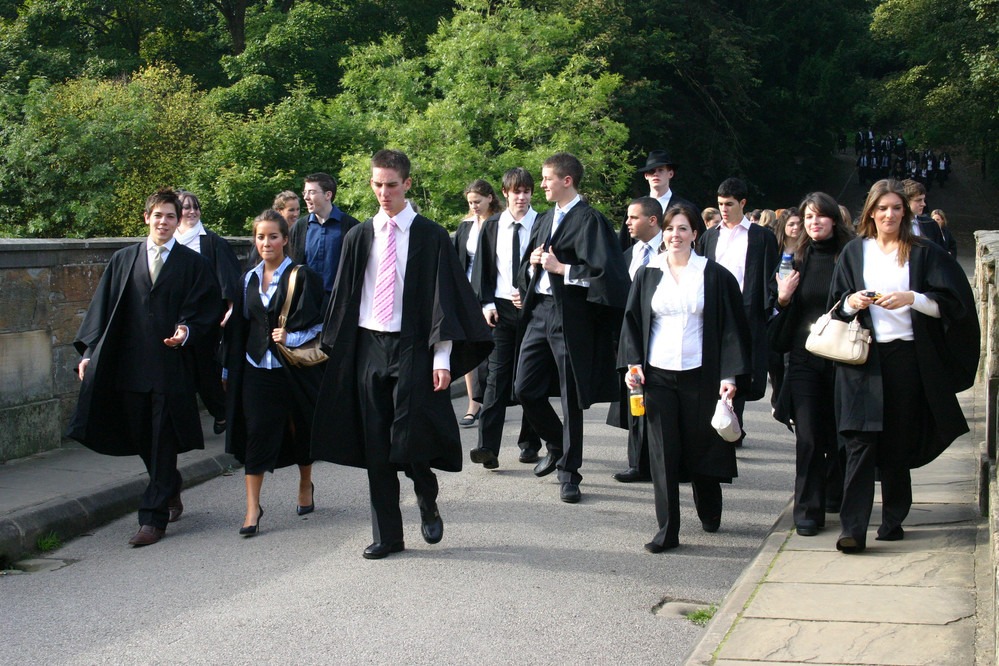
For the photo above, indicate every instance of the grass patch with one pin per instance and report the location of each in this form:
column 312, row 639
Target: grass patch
column 48, row 542
column 702, row 616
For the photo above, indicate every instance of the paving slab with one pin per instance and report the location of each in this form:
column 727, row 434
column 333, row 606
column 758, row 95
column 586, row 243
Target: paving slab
column 796, row 642
column 918, row 569
column 846, row 602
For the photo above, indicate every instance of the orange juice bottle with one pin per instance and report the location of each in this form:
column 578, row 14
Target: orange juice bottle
column 636, row 396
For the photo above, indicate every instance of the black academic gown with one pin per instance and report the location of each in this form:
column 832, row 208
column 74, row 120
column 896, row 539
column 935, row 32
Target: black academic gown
column 591, row 315
column 725, row 353
column 185, row 293
column 762, row 258
column 223, row 263
column 947, row 349
column 438, row 305
column 305, row 312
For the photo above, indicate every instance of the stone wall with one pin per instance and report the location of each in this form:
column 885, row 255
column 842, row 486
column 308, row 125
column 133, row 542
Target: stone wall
column 986, row 255
column 45, row 288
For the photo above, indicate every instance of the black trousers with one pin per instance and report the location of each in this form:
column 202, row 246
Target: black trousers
column 268, row 404
column 499, row 384
column 377, row 378
column 886, row 451
column 208, row 371
column 671, row 400
column 818, row 467
column 638, row 443
column 147, row 423
column 543, row 353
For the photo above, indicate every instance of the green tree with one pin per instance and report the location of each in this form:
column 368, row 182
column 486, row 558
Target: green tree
column 501, row 85
column 84, row 155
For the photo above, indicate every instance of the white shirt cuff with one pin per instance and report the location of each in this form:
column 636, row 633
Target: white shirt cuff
column 442, row 355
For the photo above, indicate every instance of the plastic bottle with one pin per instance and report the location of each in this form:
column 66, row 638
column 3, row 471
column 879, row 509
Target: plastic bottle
column 786, row 265
column 636, row 396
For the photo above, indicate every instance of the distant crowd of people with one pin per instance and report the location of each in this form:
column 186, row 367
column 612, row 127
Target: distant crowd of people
column 890, row 156
column 341, row 341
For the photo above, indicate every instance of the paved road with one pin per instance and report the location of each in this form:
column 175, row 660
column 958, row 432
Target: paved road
column 519, row 578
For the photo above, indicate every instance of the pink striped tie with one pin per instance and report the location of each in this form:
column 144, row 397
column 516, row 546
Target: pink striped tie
column 385, row 281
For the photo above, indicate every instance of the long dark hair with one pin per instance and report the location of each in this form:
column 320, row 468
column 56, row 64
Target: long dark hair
column 825, row 206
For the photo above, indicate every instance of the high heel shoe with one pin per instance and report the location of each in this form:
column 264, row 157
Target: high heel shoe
column 303, row 510
column 252, row 530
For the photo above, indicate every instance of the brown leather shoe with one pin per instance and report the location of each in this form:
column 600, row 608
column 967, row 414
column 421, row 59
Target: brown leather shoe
column 146, row 536
column 176, row 507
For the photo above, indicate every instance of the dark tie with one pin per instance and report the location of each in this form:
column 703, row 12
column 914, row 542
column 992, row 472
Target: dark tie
column 515, row 256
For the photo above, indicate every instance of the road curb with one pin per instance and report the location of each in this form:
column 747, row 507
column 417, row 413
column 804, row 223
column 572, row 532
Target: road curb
column 742, row 591
column 71, row 517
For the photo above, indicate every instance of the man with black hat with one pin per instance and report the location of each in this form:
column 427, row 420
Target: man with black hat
column 659, row 169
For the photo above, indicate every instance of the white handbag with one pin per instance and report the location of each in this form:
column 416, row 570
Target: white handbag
column 725, row 421
column 838, row 340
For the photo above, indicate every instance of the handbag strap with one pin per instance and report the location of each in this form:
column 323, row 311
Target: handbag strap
column 286, row 307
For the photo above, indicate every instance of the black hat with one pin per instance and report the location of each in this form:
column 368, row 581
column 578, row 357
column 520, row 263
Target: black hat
column 657, row 158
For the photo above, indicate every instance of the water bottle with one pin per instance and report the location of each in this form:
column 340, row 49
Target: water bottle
column 636, row 396
column 786, row 265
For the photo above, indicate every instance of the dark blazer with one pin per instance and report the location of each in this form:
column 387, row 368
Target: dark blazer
column 592, row 315
column 947, row 348
column 122, row 334
column 762, row 258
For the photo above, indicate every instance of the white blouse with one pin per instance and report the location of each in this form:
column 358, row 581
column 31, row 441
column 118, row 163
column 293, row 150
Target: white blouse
column 883, row 274
column 676, row 338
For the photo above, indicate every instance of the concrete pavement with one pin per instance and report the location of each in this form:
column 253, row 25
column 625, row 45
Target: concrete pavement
column 796, row 600
column 906, row 602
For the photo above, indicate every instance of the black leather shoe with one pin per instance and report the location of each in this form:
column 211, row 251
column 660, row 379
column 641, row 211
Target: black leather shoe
column 570, row 493
column 654, row 547
column 894, row 534
column 849, row 544
column 308, row 508
column 219, row 426
column 377, row 551
column 484, row 457
column 807, row 528
column 432, row 527
column 528, row 456
column 546, row 465
column 711, row 525
column 631, row 476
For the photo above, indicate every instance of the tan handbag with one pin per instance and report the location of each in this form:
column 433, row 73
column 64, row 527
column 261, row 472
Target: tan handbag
column 838, row 340
column 308, row 354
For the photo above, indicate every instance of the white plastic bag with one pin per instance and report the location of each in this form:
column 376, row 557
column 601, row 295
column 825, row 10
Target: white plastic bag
column 725, row 421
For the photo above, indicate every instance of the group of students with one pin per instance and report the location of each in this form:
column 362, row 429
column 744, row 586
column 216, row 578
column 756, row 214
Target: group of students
column 532, row 306
column 890, row 157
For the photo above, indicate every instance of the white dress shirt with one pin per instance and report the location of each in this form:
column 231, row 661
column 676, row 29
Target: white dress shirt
column 151, row 253
column 544, row 283
column 404, row 221
column 733, row 245
column 663, row 200
column 677, row 334
column 638, row 251
column 506, row 285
